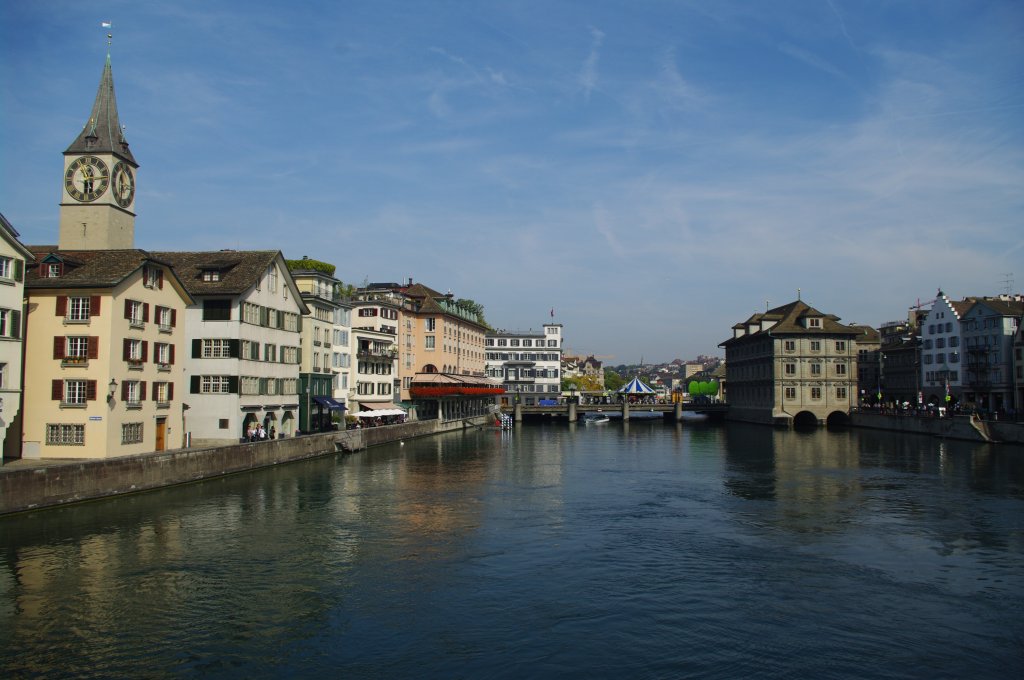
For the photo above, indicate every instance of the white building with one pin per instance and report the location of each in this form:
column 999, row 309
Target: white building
column 528, row 363
column 243, row 331
column 13, row 256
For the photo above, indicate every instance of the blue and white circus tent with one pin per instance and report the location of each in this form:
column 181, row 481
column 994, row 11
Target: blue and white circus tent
column 636, row 386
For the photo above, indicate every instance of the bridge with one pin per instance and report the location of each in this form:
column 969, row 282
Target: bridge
column 572, row 411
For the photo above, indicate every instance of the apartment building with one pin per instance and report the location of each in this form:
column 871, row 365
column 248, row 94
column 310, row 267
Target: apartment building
column 527, row 363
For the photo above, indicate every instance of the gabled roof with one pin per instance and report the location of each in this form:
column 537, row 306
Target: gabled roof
column 239, row 269
column 789, row 320
column 11, row 235
column 103, row 133
column 87, row 268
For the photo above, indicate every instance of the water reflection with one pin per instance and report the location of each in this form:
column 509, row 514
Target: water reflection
column 659, row 549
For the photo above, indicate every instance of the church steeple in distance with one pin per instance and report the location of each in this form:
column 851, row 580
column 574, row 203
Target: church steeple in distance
column 97, row 207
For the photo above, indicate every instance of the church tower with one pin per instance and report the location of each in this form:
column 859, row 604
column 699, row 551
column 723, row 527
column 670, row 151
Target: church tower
column 98, row 202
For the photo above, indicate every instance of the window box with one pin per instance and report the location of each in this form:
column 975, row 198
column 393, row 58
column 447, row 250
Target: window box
column 135, row 364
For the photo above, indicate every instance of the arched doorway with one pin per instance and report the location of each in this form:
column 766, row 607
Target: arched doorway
column 249, row 423
column 288, row 424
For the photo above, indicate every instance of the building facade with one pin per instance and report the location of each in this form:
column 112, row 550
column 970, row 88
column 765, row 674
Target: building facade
column 527, row 363
column 103, row 346
column 941, row 351
column 791, row 364
column 989, row 328
column 13, row 258
column 243, row 330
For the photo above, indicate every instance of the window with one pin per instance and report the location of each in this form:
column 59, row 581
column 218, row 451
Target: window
column 216, row 348
column 815, row 393
column 368, row 311
column 790, row 369
column 210, row 275
column 153, row 277
column 131, row 433
column 133, row 353
column 272, row 279
column 165, row 318
column 790, row 393
column 10, row 323
column 814, row 322
column 163, row 392
column 815, row 345
column 52, row 271
column 840, row 369
column 135, row 312
column 840, row 393
column 815, row 369
column 76, row 349
column 217, row 310
column 131, row 392
column 552, row 343
column 75, row 392
column 429, row 342
column 251, row 313
column 78, row 309
column 64, row 434
column 6, row 268
column 3, row 376
column 789, row 345
column 215, row 384
column 430, row 324
column 269, row 352
column 249, row 385
column 502, row 343
column 527, row 343
column 940, row 343
column 840, row 345
column 514, row 342
column 291, row 321
column 163, row 354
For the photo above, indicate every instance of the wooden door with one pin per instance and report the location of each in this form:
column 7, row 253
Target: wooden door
column 161, row 434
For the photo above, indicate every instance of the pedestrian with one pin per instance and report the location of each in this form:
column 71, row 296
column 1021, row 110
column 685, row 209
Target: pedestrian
column 273, row 432
column 262, row 433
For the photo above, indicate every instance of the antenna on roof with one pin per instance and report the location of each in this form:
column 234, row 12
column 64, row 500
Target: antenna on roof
column 1007, row 282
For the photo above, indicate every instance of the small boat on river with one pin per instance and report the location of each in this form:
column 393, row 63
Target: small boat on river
column 595, row 419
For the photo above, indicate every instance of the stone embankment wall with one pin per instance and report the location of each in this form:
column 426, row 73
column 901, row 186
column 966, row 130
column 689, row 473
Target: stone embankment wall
column 955, row 427
column 28, row 487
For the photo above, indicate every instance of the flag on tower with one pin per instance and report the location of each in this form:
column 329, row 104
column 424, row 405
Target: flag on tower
column 106, row 24
column 552, row 312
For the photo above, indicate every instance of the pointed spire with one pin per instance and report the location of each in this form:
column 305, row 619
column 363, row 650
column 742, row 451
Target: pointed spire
column 103, row 132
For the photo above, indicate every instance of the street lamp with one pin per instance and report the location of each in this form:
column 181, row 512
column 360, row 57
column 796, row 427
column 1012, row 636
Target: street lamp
column 111, row 389
column 572, row 394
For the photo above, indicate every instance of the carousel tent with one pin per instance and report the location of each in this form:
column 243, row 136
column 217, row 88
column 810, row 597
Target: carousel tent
column 636, row 386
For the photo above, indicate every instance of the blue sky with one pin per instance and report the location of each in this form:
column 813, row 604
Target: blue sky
column 653, row 171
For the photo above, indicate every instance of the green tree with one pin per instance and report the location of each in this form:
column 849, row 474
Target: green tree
column 612, row 380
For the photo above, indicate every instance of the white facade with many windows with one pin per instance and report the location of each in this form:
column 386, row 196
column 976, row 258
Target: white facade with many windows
column 528, row 363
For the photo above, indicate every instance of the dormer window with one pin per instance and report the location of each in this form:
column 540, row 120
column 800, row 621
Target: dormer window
column 52, row 270
column 211, row 275
column 814, row 322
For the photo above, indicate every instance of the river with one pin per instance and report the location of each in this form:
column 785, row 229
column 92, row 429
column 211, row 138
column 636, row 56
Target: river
column 639, row 550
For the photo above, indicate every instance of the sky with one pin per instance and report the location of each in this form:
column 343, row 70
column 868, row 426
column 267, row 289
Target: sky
column 653, row 172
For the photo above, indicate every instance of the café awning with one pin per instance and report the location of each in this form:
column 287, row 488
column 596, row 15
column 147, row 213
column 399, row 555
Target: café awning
column 329, row 403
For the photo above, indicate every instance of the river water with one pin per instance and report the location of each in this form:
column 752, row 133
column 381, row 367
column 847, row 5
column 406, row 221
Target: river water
column 639, row 550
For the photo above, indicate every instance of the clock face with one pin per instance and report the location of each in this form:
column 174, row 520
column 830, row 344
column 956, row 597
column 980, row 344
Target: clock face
column 87, row 178
column 124, row 184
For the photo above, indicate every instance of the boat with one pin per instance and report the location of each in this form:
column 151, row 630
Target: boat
column 595, row 418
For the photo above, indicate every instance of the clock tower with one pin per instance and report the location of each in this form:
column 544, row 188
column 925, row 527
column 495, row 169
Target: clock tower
column 97, row 208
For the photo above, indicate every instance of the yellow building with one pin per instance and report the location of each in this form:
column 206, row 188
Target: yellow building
column 103, row 353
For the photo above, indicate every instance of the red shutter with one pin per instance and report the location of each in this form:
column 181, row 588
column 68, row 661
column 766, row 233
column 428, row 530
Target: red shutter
column 94, row 347
column 124, row 390
column 56, row 390
column 145, row 350
column 145, row 312
column 160, row 279
column 174, row 318
column 90, row 390
column 170, row 391
column 58, row 347
column 142, row 390
column 127, row 309
column 94, row 305
column 62, row 305
column 126, row 349
column 170, row 355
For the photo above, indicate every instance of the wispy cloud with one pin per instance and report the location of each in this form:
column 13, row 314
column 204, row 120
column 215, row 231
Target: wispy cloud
column 588, row 74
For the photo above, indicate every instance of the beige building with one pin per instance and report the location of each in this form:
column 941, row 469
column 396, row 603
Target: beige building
column 432, row 332
column 103, row 346
column 791, row 364
column 13, row 256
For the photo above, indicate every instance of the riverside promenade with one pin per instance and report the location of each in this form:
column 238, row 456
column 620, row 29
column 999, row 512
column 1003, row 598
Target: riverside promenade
column 968, row 427
column 36, row 484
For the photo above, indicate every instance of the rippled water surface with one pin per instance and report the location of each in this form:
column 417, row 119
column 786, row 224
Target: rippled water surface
column 637, row 550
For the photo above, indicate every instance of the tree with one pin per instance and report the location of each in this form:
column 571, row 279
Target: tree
column 612, row 380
